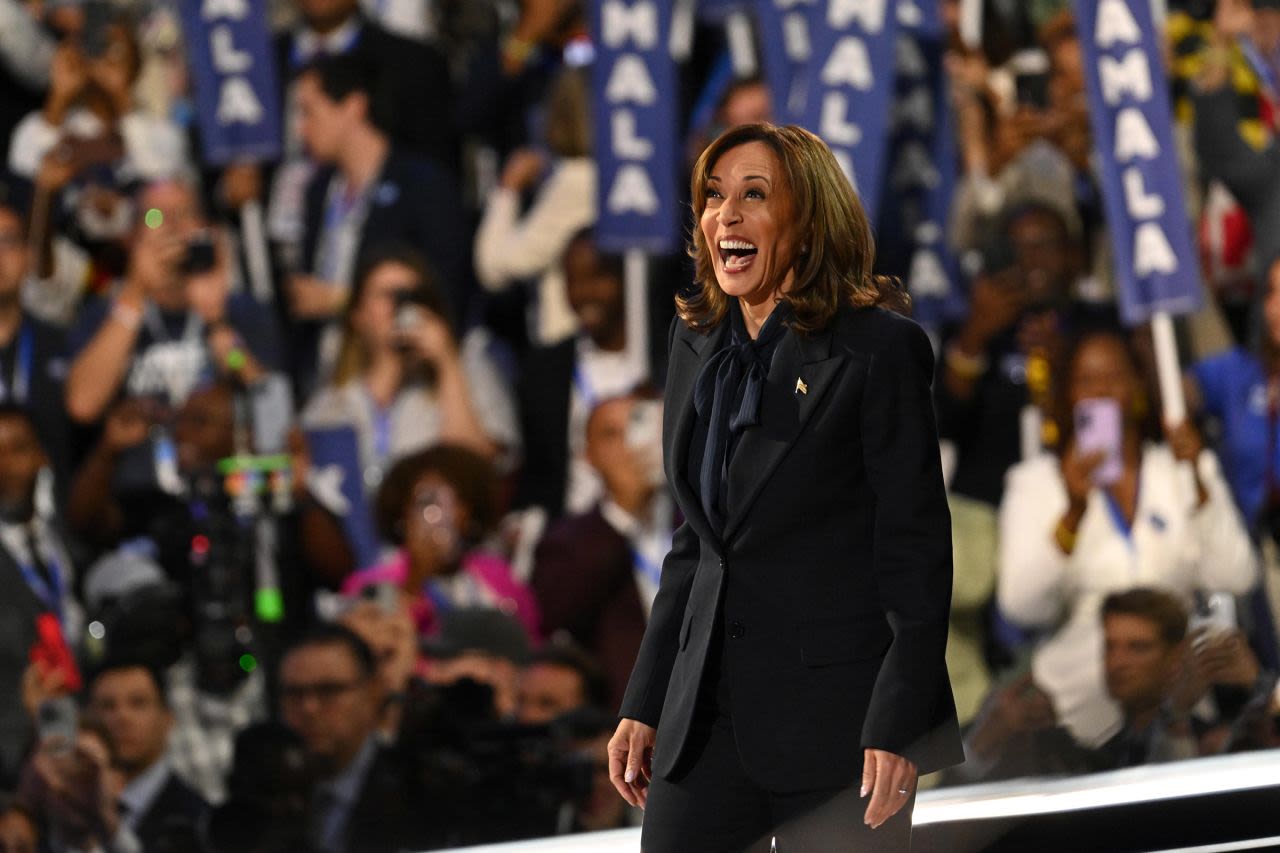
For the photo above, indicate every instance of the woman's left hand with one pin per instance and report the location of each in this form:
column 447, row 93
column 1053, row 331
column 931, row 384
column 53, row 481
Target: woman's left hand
column 886, row 776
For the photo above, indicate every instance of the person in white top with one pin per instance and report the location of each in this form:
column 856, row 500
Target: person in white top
column 510, row 247
column 91, row 97
column 402, row 380
column 1065, row 543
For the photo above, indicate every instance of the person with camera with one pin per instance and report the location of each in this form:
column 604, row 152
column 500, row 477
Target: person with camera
column 116, row 792
column 402, row 380
column 364, row 794
column 173, row 321
column 596, row 573
column 91, row 101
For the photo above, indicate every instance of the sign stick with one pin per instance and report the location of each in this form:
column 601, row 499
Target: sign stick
column 253, row 233
column 1167, row 368
column 636, row 285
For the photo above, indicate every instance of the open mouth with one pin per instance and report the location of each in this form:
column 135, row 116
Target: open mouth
column 736, row 255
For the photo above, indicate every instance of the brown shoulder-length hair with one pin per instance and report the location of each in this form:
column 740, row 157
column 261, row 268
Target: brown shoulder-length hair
column 837, row 251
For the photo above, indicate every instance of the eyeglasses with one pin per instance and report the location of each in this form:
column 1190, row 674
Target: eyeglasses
column 324, row 692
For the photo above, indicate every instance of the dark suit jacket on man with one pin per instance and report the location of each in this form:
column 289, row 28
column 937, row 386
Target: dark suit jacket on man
column 412, row 97
column 585, row 582
column 174, row 818
column 19, row 608
column 415, row 202
column 833, row 569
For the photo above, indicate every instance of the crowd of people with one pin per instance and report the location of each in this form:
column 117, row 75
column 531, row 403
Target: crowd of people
column 214, row 637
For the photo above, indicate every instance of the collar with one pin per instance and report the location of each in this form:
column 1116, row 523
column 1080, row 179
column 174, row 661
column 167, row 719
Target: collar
column 587, row 349
column 345, row 786
column 307, row 43
column 139, row 794
column 626, row 524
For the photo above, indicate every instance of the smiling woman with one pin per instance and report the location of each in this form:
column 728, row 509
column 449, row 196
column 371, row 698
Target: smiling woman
column 793, row 662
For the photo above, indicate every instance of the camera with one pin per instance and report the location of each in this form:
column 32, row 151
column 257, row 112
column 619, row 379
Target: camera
column 200, row 256
column 494, row 780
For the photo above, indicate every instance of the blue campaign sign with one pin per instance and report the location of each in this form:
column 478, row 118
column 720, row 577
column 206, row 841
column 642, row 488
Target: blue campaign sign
column 715, row 11
column 923, row 169
column 635, row 97
column 337, row 482
column 238, row 103
column 784, row 49
column 1156, row 266
column 851, row 87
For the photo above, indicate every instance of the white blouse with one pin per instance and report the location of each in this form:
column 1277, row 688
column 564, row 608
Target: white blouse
column 1171, row 544
column 509, row 247
column 415, row 416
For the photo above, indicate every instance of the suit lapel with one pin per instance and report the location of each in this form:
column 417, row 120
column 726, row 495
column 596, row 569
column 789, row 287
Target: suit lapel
column 683, row 373
column 798, row 379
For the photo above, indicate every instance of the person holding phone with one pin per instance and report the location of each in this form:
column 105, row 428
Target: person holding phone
column 436, row 507
column 402, row 380
column 1123, row 504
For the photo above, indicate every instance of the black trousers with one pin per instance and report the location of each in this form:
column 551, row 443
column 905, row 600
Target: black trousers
column 710, row 805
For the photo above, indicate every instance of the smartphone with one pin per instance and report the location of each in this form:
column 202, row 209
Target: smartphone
column 1098, row 426
column 1031, row 79
column 50, row 652
column 1215, row 613
column 408, row 311
column 201, row 255
column 385, row 595
column 1032, row 90
column 57, row 722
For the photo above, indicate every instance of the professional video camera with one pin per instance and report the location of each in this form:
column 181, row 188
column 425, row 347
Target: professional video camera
column 491, row 780
column 214, row 533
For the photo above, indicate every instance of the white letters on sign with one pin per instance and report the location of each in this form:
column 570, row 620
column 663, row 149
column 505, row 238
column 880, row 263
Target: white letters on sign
column 633, row 25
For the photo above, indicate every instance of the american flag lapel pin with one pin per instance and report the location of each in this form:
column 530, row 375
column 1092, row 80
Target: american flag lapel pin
column 801, row 387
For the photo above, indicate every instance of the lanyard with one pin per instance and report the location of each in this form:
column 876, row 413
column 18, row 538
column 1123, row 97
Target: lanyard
column 585, row 389
column 1260, row 66
column 647, row 568
column 50, row 591
column 21, row 385
column 344, row 214
column 297, row 59
column 380, row 420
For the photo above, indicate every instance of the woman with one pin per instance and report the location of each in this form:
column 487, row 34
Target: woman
column 438, row 506
column 1065, row 542
column 794, row 654
column 401, row 380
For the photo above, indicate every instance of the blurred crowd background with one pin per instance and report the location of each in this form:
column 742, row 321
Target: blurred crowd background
column 349, row 545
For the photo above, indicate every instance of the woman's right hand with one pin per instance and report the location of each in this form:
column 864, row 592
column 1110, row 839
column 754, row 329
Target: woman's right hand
column 1077, row 472
column 631, row 759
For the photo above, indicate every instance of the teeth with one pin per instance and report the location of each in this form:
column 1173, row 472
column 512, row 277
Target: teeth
column 736, row 244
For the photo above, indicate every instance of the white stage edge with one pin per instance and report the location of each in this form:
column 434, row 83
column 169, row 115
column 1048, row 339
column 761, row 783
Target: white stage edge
column 1221, row 774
